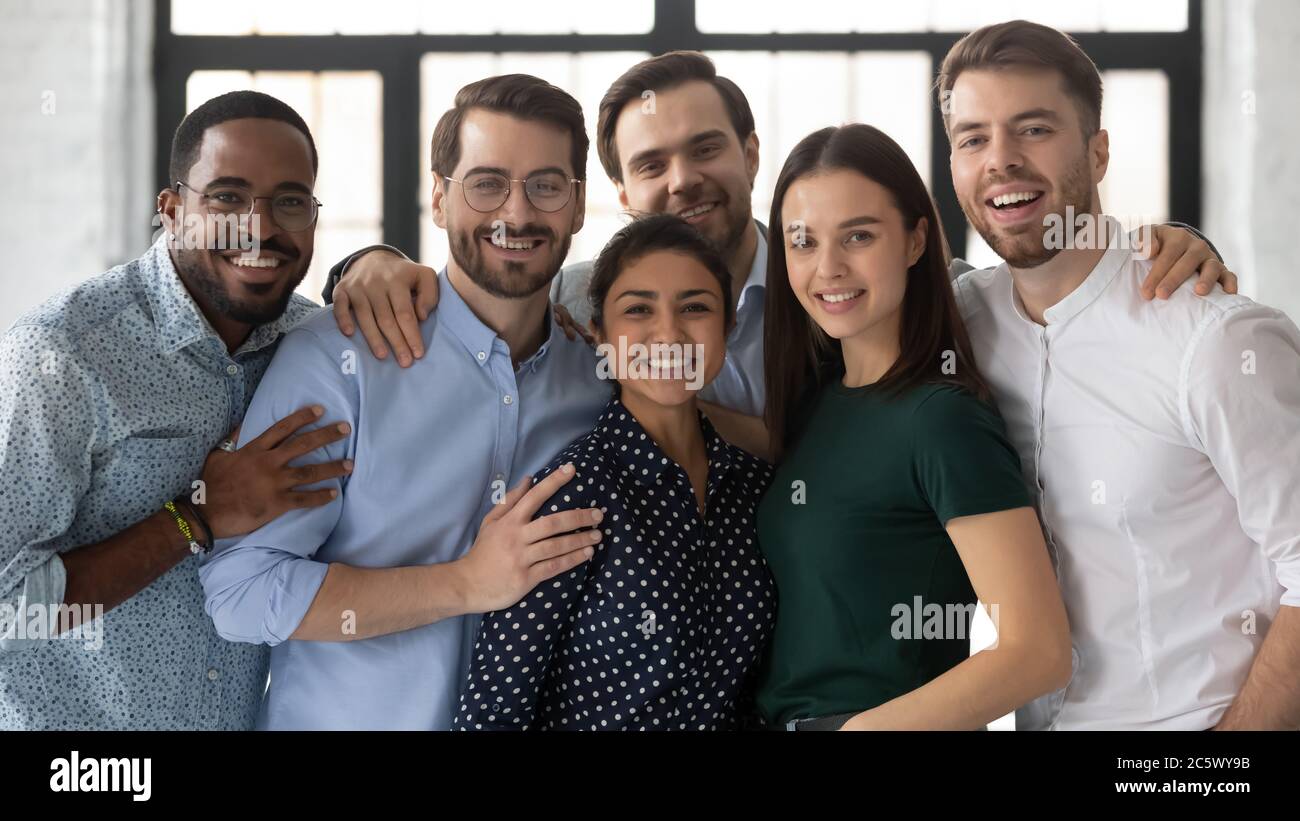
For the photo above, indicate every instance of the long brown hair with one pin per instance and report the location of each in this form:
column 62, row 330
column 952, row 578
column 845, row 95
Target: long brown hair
column 800, row 358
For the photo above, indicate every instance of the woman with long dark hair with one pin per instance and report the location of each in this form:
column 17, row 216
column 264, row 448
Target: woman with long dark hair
column 897, row 498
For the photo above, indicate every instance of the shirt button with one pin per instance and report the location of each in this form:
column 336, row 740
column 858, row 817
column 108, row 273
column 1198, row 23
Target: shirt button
column 233, row 370
column 213, row 675
column 508, row 399
column 481, row 356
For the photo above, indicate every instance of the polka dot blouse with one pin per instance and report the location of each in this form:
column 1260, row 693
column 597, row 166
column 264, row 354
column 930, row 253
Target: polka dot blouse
column 662, row 627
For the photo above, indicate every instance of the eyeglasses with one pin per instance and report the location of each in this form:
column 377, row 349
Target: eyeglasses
column 486, row 191
column 291, row 210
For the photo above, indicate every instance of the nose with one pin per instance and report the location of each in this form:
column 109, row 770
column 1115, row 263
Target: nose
column 517, row 209
column 667, row 325
column 1004, row 154
column 261, row 223
column 682, row 176
column 831, row 263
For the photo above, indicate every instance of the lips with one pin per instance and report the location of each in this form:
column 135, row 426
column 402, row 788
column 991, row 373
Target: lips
column 699, row 211
column 839, row 300
column 514, row 248
column 256, row 269
column 1014, row 203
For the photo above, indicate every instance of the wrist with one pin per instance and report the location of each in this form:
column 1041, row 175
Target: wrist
column 199, row 526
column 452, row 585
column 180, row 531
column 356, row 261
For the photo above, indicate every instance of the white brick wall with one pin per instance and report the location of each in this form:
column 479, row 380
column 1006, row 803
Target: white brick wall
column 76, row 149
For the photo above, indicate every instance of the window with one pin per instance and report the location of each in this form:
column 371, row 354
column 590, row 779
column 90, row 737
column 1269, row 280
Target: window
column 883, row 52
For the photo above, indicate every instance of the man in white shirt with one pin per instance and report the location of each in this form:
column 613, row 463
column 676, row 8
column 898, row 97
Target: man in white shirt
column 1162, row 437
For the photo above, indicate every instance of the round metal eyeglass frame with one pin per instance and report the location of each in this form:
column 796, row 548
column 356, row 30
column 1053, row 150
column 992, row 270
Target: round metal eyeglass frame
column 292, row 227
column 504, row 197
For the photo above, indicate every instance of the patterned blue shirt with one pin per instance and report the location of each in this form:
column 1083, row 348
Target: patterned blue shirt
column 434, row 447
column 112, row 394
column 662, row 628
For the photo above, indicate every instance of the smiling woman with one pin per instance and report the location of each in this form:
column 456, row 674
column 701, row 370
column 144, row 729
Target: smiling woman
column 896, row 462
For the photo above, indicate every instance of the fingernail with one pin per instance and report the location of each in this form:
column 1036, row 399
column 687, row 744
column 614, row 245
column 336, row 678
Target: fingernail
column 317, row 410
column 590, row 551
column 596, row 514
column 344, row 427
column 568, row 467
column 404, row 360
column 347, row 464
column 334, row 494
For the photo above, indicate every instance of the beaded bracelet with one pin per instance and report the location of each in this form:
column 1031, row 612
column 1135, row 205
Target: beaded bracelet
column 184, row 527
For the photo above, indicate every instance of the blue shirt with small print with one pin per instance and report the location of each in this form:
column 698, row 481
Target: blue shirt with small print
column 112, row 394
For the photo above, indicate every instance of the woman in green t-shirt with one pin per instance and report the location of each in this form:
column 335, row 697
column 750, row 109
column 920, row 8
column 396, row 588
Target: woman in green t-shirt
column 897, row 499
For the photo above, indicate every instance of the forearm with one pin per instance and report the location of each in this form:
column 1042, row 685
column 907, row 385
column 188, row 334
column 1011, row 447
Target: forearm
column 742, row 430
column 984, row 687
column 108, row 573
column 1270, row 698
column 360, row 603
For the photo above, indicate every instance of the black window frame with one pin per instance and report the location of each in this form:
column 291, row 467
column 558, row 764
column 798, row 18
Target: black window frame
column 1180, row 55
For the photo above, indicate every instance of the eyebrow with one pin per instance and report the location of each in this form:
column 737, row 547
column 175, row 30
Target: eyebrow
column 287, row 185
column 687, row 294
column 1031, row 114
column 491, row 169
column 650, row 153
column 865, row 219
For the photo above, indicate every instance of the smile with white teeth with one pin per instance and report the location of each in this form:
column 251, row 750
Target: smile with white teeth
column 514, row 244
column 255, row 262
column 844, row 297
column 697, row 210
column 1016, row 196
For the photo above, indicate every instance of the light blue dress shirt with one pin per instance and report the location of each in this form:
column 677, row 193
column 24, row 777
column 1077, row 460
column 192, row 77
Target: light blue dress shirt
column 112, row 394
column 432, row 444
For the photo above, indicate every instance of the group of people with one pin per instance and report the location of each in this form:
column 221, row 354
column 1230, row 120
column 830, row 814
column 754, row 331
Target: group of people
column 494, row 497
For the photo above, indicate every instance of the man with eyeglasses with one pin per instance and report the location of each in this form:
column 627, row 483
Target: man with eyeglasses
column 371, row 603
column 114, row 397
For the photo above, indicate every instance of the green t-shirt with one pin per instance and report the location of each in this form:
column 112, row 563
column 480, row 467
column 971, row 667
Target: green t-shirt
column 873, row 600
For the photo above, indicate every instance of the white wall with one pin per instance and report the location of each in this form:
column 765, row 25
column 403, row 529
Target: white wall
column 1251, row 162
column 76, row 149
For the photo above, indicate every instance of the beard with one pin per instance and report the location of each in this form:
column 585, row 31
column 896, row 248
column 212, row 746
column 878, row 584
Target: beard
column 733, row 228
column 197, row 269
column 737, row 215
column 1025, row 246
column 513, row 279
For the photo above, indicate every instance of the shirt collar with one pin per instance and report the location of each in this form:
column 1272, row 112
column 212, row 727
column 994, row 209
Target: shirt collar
column 1087, row 292
column 641, row 457
column 480, row 340
column 757, row 278
column 177, row 317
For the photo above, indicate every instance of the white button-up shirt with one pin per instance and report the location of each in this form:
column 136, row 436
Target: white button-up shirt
column 1162, row 440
